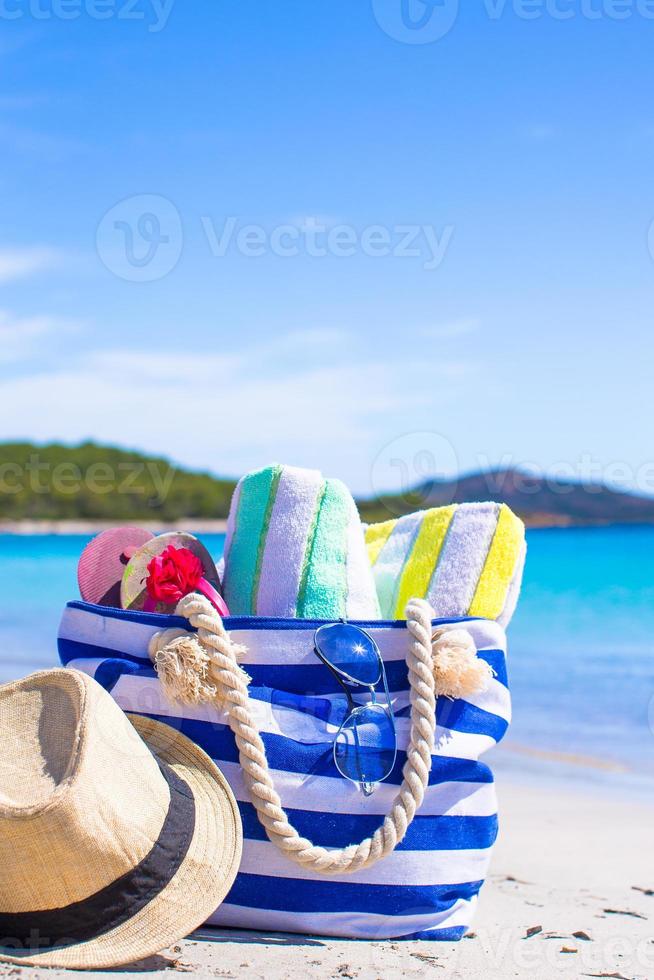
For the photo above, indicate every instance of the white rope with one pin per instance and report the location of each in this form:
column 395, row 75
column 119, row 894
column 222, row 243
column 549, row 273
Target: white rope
column 205, row 668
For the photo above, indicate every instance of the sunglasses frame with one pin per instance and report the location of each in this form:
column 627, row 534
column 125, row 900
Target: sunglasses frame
column 346, row 681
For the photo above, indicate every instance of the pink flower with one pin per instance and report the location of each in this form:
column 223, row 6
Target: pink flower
column 173, row 574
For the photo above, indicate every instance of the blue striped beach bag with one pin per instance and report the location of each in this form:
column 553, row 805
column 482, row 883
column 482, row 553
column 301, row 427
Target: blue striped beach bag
column 427, row 886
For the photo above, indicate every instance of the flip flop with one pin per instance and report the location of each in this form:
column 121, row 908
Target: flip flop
column 103, row 561
column 134, row 593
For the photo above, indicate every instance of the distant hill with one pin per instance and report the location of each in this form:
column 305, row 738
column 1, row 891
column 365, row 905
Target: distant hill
column 91, row 483
column 540, row 501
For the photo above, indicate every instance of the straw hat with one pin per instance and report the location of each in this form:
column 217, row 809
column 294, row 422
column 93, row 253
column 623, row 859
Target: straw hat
column 117, row 837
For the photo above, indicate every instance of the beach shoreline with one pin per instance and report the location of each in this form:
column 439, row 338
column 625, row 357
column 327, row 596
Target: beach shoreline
column 204, row 525
column 570, row 894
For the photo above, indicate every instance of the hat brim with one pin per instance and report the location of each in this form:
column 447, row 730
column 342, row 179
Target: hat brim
column 196, row 890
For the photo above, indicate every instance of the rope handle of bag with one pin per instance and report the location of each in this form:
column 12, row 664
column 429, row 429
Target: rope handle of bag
column 204, row 667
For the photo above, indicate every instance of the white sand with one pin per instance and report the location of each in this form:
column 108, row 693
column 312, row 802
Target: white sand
column 563, row 859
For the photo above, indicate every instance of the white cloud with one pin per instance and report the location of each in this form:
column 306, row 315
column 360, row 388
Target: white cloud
column 229, row 413
column 177, row 368
column 21, row 336
column 20, row 263
column 181, row 368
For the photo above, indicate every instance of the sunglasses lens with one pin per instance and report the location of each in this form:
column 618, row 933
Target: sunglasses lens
column 350, row 651
column 364, row 750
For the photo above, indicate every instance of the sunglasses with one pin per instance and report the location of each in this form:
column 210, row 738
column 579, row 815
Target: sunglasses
column 365, row 745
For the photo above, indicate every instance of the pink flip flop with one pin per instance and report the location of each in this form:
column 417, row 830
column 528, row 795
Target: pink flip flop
column 166, row 568
column 103, row 561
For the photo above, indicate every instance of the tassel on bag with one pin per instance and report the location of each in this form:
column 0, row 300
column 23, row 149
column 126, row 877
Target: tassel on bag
column 458, row 670
column 185, row 668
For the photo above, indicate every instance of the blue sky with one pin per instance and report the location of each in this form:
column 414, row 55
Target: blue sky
column 155, row 164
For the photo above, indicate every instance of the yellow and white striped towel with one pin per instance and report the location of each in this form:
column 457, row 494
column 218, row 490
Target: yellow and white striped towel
column 466, row 559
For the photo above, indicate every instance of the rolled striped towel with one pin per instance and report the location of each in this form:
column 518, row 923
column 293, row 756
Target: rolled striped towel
column 295, row 548
column 466, row 559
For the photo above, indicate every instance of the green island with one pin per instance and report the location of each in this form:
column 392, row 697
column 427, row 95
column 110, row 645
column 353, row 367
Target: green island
column 96, row 483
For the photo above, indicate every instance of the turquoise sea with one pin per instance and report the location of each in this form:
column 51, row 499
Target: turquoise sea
column 581, row 646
